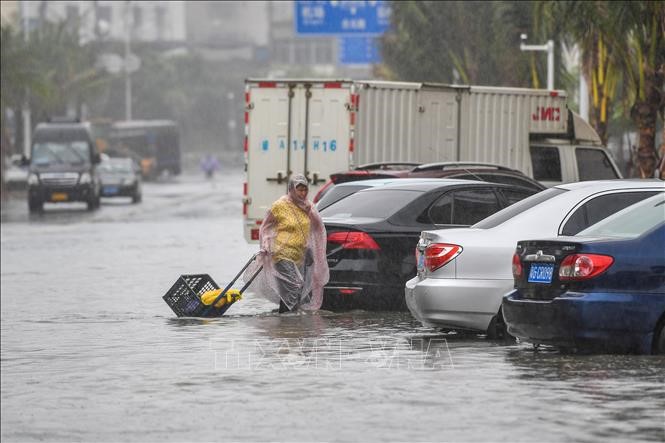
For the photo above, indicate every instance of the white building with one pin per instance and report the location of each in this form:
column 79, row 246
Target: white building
column 148, row 21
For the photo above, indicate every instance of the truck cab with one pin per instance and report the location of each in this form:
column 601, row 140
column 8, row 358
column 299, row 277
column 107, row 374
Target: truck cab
column 63, row 165
column 580, row 156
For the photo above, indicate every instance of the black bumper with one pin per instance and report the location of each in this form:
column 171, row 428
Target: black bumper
column 61, row 194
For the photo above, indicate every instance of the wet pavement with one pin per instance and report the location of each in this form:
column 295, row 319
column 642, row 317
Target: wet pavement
column 90, row 352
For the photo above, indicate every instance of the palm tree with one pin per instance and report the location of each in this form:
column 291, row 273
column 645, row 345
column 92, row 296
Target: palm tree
column 642, row 57
column 18, row 74
column 66, row 66
column 623, row 43
column 589, row 24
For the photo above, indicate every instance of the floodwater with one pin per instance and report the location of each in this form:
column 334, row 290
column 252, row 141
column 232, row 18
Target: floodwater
column 90, row 351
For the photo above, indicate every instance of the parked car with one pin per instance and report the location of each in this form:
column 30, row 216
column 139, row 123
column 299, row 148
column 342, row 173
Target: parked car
column 120, row 177
column 345, row 189
column 464, row 273
column 464, row 170
column 15, row 174
column 603, row 289
column 372, row 234
column 366, row 172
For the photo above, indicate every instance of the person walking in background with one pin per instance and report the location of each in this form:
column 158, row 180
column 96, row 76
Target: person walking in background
column 293, row 252
column 209, row 165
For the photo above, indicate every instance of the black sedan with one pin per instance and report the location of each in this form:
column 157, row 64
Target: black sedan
column 373, row 233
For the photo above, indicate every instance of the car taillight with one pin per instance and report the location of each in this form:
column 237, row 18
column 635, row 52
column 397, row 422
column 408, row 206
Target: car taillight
column 517, row 266
column 584, row 266
column 438, row 254
column 353, row 240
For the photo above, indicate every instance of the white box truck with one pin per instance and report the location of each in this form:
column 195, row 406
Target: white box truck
column 320, row 127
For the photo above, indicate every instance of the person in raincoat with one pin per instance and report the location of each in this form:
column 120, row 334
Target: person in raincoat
column 293, row 252
column 209, row 165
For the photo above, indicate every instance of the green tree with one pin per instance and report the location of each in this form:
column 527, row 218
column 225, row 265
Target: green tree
column 588, row 25
column 642, row 58
column 623, row 59
column 66, row 66
column 19, row 73
column 479, row 40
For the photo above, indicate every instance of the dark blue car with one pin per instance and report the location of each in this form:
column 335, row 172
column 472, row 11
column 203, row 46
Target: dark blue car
column 601, row 290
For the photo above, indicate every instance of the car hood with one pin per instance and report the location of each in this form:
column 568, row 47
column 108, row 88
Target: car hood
column 58, row 167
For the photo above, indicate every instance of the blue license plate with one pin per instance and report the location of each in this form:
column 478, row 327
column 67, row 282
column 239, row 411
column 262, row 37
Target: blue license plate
column 541, row 273
column 110, row 190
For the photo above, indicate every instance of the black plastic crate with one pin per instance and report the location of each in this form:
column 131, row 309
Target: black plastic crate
column 184, row 297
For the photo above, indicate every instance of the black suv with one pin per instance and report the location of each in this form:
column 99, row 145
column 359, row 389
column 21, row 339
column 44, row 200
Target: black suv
column 63, row 165
column 488, row 172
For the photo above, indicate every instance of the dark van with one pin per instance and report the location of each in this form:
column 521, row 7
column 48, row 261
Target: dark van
column 63, row 165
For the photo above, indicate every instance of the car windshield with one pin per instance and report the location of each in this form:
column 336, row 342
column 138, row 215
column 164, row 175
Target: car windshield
column 517, row 208
column 374, row 203
column 632, row 221
column 116, row 166
column 63, row 152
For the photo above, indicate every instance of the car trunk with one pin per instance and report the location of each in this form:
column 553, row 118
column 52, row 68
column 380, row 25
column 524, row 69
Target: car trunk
column 368, row 256
column 541, row 262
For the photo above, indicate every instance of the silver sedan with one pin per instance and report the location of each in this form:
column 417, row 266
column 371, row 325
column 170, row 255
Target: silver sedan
column 463, row 273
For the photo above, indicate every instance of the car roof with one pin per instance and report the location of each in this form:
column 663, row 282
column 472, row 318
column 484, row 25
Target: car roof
column 603, row 185
column 463, row 166
column 427, row 184
column 386, row 181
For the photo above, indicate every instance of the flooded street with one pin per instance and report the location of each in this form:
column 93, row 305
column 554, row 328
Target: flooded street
column 90, row 351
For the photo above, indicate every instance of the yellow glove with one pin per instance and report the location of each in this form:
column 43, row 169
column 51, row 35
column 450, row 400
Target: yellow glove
column 231, row 295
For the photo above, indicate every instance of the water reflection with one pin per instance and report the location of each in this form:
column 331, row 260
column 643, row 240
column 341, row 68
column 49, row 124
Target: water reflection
column 621, row 394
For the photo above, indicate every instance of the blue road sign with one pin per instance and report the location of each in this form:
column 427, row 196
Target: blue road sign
column 332, row 17
column 359, row 50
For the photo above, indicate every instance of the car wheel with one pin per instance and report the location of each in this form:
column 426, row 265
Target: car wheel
column 497, row 329
column 659, row 339
column 35, row 205
column 136, row 197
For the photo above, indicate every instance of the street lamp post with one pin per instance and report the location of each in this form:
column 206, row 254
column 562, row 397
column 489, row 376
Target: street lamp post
column 549, row 48
column 128, row 78
column 25, row 108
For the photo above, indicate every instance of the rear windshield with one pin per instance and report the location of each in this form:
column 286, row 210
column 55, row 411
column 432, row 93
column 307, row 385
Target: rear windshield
column 517, row 208
column 116, row 166
column 632, row 221
column 337, row 193
column 374, row 203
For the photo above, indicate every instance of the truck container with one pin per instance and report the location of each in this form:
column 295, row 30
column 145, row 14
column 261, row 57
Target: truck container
column 320, row 127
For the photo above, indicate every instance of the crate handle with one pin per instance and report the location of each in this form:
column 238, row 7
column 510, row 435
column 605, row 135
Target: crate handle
column 223, row 293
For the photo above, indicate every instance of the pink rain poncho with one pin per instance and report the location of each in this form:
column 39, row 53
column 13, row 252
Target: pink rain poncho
column 293, row 252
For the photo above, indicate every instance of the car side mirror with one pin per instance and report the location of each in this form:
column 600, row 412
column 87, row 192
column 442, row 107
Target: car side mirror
column 96, row 158
column 25, row 161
